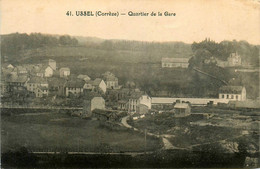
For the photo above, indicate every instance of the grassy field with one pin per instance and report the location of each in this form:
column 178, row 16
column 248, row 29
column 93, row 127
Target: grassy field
column 60, row 132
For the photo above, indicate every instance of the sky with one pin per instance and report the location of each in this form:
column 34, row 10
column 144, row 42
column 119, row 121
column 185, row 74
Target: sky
column 194, row 21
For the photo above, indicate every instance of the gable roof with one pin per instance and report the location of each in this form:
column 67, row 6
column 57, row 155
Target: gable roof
column 231, row 89
column 42, row 87
column 96, row 82
column 181, row 105
column 55, row 81
column 136, row 95
column 83, row 77
column 111, row 78
column 43, row 68
column 21, row 68
column 75, row 83
column 97, row 98
column 39, row 80
column 175, row 60
column 64, row 69
column 18, row 79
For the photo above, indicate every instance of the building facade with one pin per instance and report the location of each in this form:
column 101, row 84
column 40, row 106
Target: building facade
column 237, row 93
column 175, row 62
column 64, row 72
column 138, row 99
column 97, row 103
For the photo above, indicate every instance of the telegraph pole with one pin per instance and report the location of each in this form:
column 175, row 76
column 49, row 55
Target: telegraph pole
column 145, row 130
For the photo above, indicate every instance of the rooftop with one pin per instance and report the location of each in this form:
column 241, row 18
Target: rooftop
column 181, row 105
column 231, row 89
column 96, row 82
column 175, row 60
column 19, row 79
column 64, row 69
column 83, row 77
column 75, row 83
column 36, row 79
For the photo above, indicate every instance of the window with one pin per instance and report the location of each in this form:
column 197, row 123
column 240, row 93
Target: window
column 223, row 96
column 227, row 96
column 237, row 97
column 232, row 96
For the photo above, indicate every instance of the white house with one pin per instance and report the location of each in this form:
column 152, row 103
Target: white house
column 10, row 66
column 41, row 91
column 100, row 84
column 64, row 72
column 52, row 64
column 74, row 87
column 48, row 71
column 97, row 103
column 136, row 100
column 45, row 71
column 232, row 93
column 182, row 109
column 111, row 80
column 36, row 82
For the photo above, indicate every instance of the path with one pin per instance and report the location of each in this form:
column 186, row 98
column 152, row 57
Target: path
column 202, row 72
column 41, row 107
column 166, row 142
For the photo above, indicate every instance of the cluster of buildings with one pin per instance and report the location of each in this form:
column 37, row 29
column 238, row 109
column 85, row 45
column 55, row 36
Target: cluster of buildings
column 46, row 79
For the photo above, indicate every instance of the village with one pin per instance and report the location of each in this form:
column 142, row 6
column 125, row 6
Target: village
column 45, row 86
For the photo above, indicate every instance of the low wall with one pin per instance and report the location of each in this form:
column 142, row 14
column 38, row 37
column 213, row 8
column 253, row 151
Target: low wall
column 193, row 101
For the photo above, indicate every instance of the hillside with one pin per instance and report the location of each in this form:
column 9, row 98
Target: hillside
column 139, row 62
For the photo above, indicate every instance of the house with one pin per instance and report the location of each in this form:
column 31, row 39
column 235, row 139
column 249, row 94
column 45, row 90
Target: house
column 74, row 87
column 95, row 85
column 97, row 103
column 52, row 64
column 233, row 60
column 41, row 91
column 15, row 82
column 20, row 70
column 122, row 105
column 99, row 84
column 182, row 109
column 111, row 80
column 45, row 71
column 232, row 93
column 143, row 109
column 36, row 82
column 137, row 99
column 175, row 62
column 64, row 72
column 92, row 102
column 84, row 77
column 3, row 87
column 10, row 66
column 56, row 86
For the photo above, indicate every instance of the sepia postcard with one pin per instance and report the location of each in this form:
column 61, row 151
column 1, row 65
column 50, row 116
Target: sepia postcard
column 130, row 83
